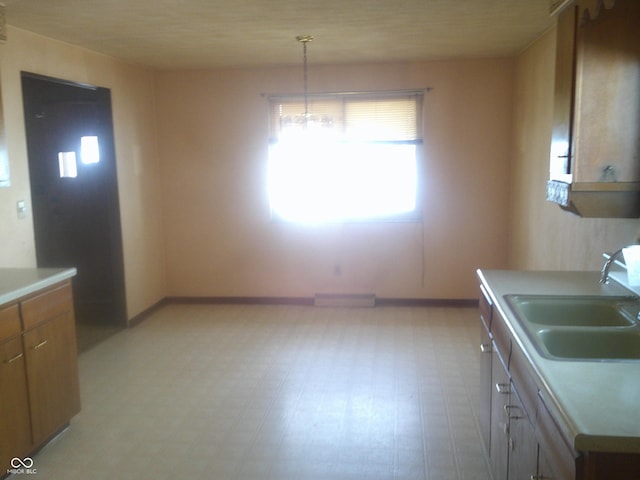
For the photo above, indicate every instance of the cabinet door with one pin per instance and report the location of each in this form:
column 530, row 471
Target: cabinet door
column 560, row 166
column 523, row 446
column 499, row 450
column 15, row 433
column 486, row 386
column 607, row 111
column 52, row 373
column 556, row 458
column 544, row 469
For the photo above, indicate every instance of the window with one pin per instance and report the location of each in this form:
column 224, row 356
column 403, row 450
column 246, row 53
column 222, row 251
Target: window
column 351, row 157
column 89, row 150
column 67, row 164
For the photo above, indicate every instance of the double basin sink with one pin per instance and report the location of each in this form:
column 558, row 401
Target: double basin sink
column 585, row 328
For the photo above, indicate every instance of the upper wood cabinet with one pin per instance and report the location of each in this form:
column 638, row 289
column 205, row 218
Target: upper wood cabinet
column 595, row 146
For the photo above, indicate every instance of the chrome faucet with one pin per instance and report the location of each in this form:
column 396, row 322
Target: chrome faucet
column 604, row 273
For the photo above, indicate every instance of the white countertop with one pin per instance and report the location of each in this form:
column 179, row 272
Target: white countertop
column 19, row 282
column 597, row 403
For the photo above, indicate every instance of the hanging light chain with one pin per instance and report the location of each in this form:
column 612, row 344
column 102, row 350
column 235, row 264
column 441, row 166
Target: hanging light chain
column 304, row 39
column 306, row 100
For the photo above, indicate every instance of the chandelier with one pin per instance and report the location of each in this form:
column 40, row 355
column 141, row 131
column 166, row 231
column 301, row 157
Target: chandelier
column 307, row 119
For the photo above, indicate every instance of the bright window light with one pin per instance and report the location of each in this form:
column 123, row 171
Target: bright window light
column 353, row 161
column 319, row 181
column 89, row 150
column 67, row 164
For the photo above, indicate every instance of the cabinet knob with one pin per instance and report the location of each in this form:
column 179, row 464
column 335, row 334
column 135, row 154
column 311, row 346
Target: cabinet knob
column 486, row 347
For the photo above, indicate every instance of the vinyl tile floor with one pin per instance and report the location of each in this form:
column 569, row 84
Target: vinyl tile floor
column 278, row 392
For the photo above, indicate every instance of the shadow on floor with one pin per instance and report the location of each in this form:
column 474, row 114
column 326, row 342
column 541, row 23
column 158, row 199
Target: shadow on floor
column 89, row 335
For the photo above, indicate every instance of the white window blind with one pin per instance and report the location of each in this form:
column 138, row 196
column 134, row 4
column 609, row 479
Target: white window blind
column 351, row 157
column 352, row 116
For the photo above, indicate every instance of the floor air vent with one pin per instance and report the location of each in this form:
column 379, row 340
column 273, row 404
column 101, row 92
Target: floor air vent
column 337, row 300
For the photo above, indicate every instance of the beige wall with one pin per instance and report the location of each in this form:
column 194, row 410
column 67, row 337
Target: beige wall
column 487, row 129
column 219, row 236
column 138, row 174
column 542, row 235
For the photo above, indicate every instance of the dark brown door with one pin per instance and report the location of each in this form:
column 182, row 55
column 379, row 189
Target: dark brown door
column 74, row 192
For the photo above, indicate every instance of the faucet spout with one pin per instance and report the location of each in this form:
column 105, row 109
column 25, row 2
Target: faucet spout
column 604, row 274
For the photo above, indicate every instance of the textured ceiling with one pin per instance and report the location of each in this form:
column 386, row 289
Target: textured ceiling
column 172, row 34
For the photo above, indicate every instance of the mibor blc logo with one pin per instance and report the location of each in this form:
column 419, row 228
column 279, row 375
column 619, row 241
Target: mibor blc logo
column 22, row 466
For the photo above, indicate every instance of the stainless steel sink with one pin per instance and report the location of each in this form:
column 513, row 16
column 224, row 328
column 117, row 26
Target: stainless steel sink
column 590, row 328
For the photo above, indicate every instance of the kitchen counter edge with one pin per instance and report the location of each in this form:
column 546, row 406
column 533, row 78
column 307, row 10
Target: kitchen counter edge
column 16, row 283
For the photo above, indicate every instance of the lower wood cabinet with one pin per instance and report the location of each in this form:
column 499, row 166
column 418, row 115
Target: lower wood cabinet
column 485, row 379
column 52, row 375
column 522, row 445
column 39, row 371
column 15, row 428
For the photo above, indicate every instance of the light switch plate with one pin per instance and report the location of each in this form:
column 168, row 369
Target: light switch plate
column 21, row 207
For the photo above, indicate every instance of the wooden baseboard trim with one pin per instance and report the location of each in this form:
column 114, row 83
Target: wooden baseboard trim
column 142, row 316
column 242, row 300
column 309, row 301
column 344, row 300
column 427, row 302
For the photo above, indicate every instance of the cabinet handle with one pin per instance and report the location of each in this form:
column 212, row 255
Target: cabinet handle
column 40, row 345
column 13, row 359
column 502, row 388
column 540, row 477
column 509, row 408
column 486, row 348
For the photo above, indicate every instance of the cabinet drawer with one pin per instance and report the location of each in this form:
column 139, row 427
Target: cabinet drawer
column 9, row 321
column 47, row 305
column 486, row 308
column 501, row 339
